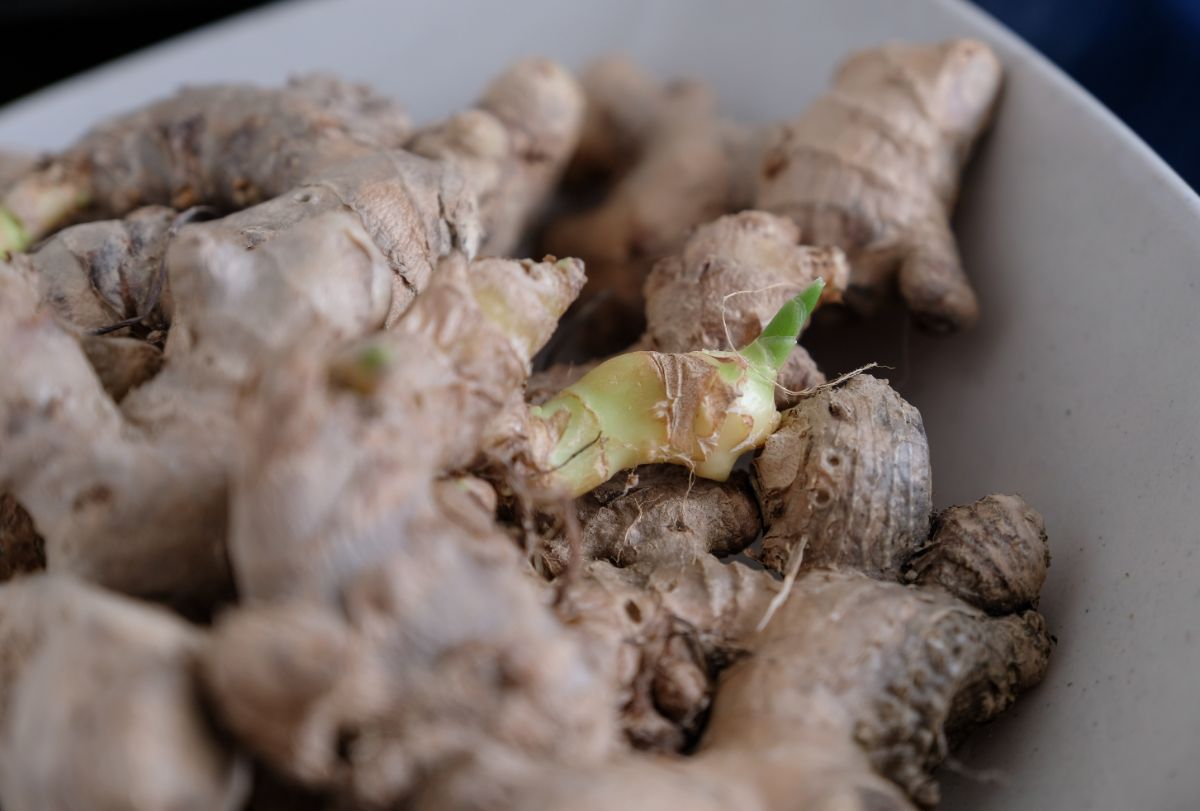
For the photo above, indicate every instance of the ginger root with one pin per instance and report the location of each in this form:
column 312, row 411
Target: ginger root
column 840, row 691
column 726, row 282
column 98, row 708
column 228, row 146
column 845, row 480
column 127, row 496
column 991, row 554
column 241, row 289
column 692, row 166
column 280, row 421
column 700, row 409
column 873, row 167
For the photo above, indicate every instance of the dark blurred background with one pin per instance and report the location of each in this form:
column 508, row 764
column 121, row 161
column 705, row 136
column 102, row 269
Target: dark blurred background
column 1140, row 57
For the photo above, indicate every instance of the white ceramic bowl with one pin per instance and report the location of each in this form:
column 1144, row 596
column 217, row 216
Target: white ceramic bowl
column 1079, row 388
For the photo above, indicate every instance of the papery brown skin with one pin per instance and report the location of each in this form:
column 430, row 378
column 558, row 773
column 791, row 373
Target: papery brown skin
column 98, row 708
column 873, row 167
column 846, row 480
column 661, row 512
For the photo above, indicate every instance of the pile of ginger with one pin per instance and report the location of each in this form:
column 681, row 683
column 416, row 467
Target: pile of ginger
column 316, row 534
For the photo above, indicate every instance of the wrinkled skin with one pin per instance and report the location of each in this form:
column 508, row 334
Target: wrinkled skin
column 846, row 478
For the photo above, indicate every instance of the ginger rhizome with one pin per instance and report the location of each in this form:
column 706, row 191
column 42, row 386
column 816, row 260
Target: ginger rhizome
column 294, row 387
column 336, row 257
column 873, row 167
column 701, row 409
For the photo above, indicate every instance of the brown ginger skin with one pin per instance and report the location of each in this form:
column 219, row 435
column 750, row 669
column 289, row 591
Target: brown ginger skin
column 844, row 700
column 429, row 676
column 383, row 220
column 992, row 554
column 98, row 708
column 490, row 178
column 873, row 167
column 135, row 496
column 845, row 478
column 470, row 337
column 229, row 146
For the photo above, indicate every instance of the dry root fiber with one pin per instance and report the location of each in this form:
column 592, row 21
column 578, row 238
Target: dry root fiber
column 873, row 167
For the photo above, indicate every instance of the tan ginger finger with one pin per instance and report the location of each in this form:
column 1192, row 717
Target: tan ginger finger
column 425, row 678
column 404, row 680
column 469, row 338
column 136, row 498
column 98, row 708
column 693, row 166
column 481, row 666
column 845, row 481
column 897, row 668
column 873, row 167
column 932, row 282
column 512, row 147
column 623, row 106
column 991, row 554
column 228, row 146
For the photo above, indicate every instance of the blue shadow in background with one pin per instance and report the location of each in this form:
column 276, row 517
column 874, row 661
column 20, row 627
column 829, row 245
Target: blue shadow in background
column 1141, row 58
